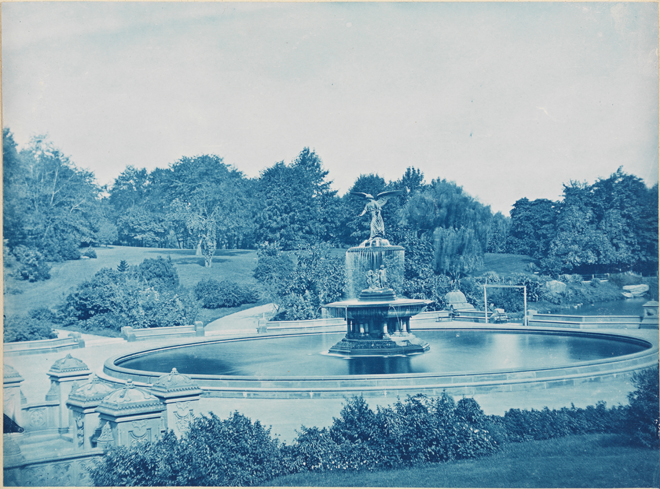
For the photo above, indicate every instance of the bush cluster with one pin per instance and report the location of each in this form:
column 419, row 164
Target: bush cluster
column 415, row 431
column 146, row 296
column 525, row 425
column 90, row 252
column 214, row 452
column 31, row 265
column 300, row 287
column 214, row 294
column 36, row 325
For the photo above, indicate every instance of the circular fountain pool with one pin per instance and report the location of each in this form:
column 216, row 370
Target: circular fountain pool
column 460, row 360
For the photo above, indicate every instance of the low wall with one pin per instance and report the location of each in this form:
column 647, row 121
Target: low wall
column 584, row 322
column 71, row 342
column 50, row 471
column 133, row 334
column 265, row 326
column 338, row 386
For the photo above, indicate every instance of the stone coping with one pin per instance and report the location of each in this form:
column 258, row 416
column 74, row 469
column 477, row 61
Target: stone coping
column 43, row 346
column 355, row 303
column 338, row 386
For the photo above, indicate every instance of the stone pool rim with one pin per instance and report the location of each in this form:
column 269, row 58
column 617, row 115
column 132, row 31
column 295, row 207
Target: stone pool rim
column 432, row 383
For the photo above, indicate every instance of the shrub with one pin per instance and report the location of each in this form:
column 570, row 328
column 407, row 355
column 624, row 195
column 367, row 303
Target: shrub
column 61, row 249
column 641, row 421
column 214, row 452
column 25, row 328
column 90, row 252
column 123, row 266
column 31, row 265
column 214, row 294
column 158, row 273
column 524, row 425
column 112, row 299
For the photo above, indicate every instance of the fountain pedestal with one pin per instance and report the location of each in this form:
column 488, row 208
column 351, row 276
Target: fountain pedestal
column 377, row 323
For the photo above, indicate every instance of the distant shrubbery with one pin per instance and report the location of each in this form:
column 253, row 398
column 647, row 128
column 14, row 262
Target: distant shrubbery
column 145, row 296
column 214, row 294
column 300, row 287
column 29, row 265
column 415, row 431
column 36, row 325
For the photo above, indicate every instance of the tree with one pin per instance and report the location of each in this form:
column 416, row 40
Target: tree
column 50, row 204
column 296, row 203
column 533, row 227
column 210, row 204
column 457, row 251
column 129, row 189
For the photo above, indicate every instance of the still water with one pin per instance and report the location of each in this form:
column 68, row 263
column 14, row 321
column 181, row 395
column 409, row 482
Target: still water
column 451, row 351
column 624, row 307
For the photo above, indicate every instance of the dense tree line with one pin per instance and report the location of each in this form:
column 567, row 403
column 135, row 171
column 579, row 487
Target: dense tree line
column 611, row 225
column 53, row 210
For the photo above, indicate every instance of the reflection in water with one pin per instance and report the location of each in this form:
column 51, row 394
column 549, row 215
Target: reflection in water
column 379, row 365
column 451, row 351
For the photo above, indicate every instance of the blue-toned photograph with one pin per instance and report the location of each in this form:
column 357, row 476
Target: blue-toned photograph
column 361, row 244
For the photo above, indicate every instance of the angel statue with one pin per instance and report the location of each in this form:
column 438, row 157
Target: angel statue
column 374, row 206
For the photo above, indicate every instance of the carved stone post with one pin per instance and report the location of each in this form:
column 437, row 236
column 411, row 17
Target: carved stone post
column 63, row 374
column 84, row 419
column 13, row 397
column 133, row 414
column 650, row 317
column 181, row 397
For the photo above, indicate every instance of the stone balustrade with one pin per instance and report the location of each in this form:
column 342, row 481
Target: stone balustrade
column 71, row 342
column 266, row 326
column 136, row 334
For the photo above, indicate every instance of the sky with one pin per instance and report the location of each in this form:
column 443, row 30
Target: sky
column 508, row 100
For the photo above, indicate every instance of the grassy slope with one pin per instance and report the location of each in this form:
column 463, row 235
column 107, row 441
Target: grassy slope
column 577, row 461
column 503, row 263
column 236, row 265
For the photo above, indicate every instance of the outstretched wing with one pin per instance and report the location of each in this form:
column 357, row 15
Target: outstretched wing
column 384, row 196
column 362, row 194
column 389, row 192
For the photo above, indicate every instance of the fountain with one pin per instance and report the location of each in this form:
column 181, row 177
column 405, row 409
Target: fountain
column 377, row 322
column 378, row 356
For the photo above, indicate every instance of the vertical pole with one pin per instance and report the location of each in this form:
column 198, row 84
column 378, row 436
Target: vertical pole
column 485, row 305
column 525, row 298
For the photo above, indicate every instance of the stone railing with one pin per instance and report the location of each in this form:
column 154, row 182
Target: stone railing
column 41, row 469
column 71, row 342
column 583, row 322
column 266, row 326
column 136, row 334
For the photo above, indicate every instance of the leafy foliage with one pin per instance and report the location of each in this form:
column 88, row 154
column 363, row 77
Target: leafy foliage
column 214, row 452
column 412, row 432
column 50, row 205
column 145, row 296
column 296, row 203
column 214, row 294
column 27, row 328
column 30, row 265
column 300, row 288
column 642, row 421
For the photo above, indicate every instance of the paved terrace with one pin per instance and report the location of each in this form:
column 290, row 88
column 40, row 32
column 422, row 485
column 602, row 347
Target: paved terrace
column 287, row 415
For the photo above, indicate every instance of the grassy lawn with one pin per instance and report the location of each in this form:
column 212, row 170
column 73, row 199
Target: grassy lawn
column 577, row 461
column 236, row 265
column 503, row 263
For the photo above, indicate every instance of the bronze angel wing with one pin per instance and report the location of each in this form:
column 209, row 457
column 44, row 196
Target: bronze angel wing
column 384, row 196
column 362, row 194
